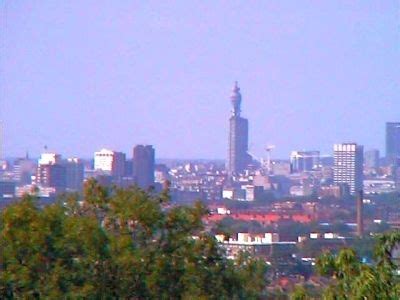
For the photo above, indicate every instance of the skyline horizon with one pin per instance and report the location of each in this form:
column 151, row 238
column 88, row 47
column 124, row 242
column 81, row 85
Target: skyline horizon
column 382, row 154
column 382, row 150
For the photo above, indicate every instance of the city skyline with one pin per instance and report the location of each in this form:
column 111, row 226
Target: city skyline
column 200, row 149
column 298, row 79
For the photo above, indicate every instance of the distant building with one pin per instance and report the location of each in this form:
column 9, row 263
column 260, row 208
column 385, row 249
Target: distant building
column 118, row 168
column 51, row 173
column 379, row 186
column 74, row 169
column 234, row 193
column 103, row 160
column 280, row 167
column 331, row 191
column 371, row 158
column 348, row 166
column 7, row 189
column 110, row 163
column 252, row 192
column 143, row 165
column 392, row 141
column 301, row 190
column 326, row 161
column 238, row 157
column 129, row 168
column 53, row 176
column 161, row 173
column 301, row 161
column 49, row 158
column 263, row 181
column 23, row 169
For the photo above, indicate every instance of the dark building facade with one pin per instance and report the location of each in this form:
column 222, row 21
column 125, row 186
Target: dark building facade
column 7, row 189
column 118, row 165
column 392, row 141
column 74, row 169
column 23, row 169
column 238, row 157
column 371, row 159
column 52, row 175
column 143, row 166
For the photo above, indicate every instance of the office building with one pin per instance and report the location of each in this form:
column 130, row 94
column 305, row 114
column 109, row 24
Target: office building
column 128, row 168
column 50, row 172
column 143, row 166
column 348, row 166
column 238, row 157
column 52, row 176
column 74, row 169
column 23, row 169
column 302, row 161
column 392, row 141
column 371, row 159
column 108, row 162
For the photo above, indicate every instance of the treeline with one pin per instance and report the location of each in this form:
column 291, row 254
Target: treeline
column 131, row 244
column 123, row 243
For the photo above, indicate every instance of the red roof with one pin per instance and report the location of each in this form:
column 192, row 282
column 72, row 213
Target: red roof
column 262, row 217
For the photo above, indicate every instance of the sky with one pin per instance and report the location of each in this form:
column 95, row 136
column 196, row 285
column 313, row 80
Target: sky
column 78, row 76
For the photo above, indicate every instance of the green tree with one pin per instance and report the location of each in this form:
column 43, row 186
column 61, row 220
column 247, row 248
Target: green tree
column 299, row 293
column 118, row 243
column 355, row 280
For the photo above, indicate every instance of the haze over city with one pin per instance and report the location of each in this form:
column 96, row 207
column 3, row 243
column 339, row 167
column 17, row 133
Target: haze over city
column 199, row 149
column 79, row 76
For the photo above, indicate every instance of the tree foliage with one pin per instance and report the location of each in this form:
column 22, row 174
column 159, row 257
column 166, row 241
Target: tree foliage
column 355, row 280
column 119, row 243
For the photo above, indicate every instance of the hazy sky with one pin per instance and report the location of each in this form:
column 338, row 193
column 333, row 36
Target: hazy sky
column 81, row 75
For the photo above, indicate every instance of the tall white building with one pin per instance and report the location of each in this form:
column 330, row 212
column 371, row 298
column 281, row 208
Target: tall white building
column 348, row 166
column 110, row 162
column 103, row 160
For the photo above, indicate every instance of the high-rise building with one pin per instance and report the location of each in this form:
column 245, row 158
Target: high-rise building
column 23, row 170
column 52, row 175
column 371, row 159
column 110, row 162
column 392, row 141
column 50, row 172
column 128, row 168
column 348, row 166
column 238, row 157
column 143, row 166
column 301, row 161
column 74, row 169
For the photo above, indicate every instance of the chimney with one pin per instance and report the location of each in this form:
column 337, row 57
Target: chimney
column 360, row 221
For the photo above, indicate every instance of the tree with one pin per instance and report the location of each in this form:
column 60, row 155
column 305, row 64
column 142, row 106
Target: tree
column 118, row 243
column 299, row 293
column 355, row 280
